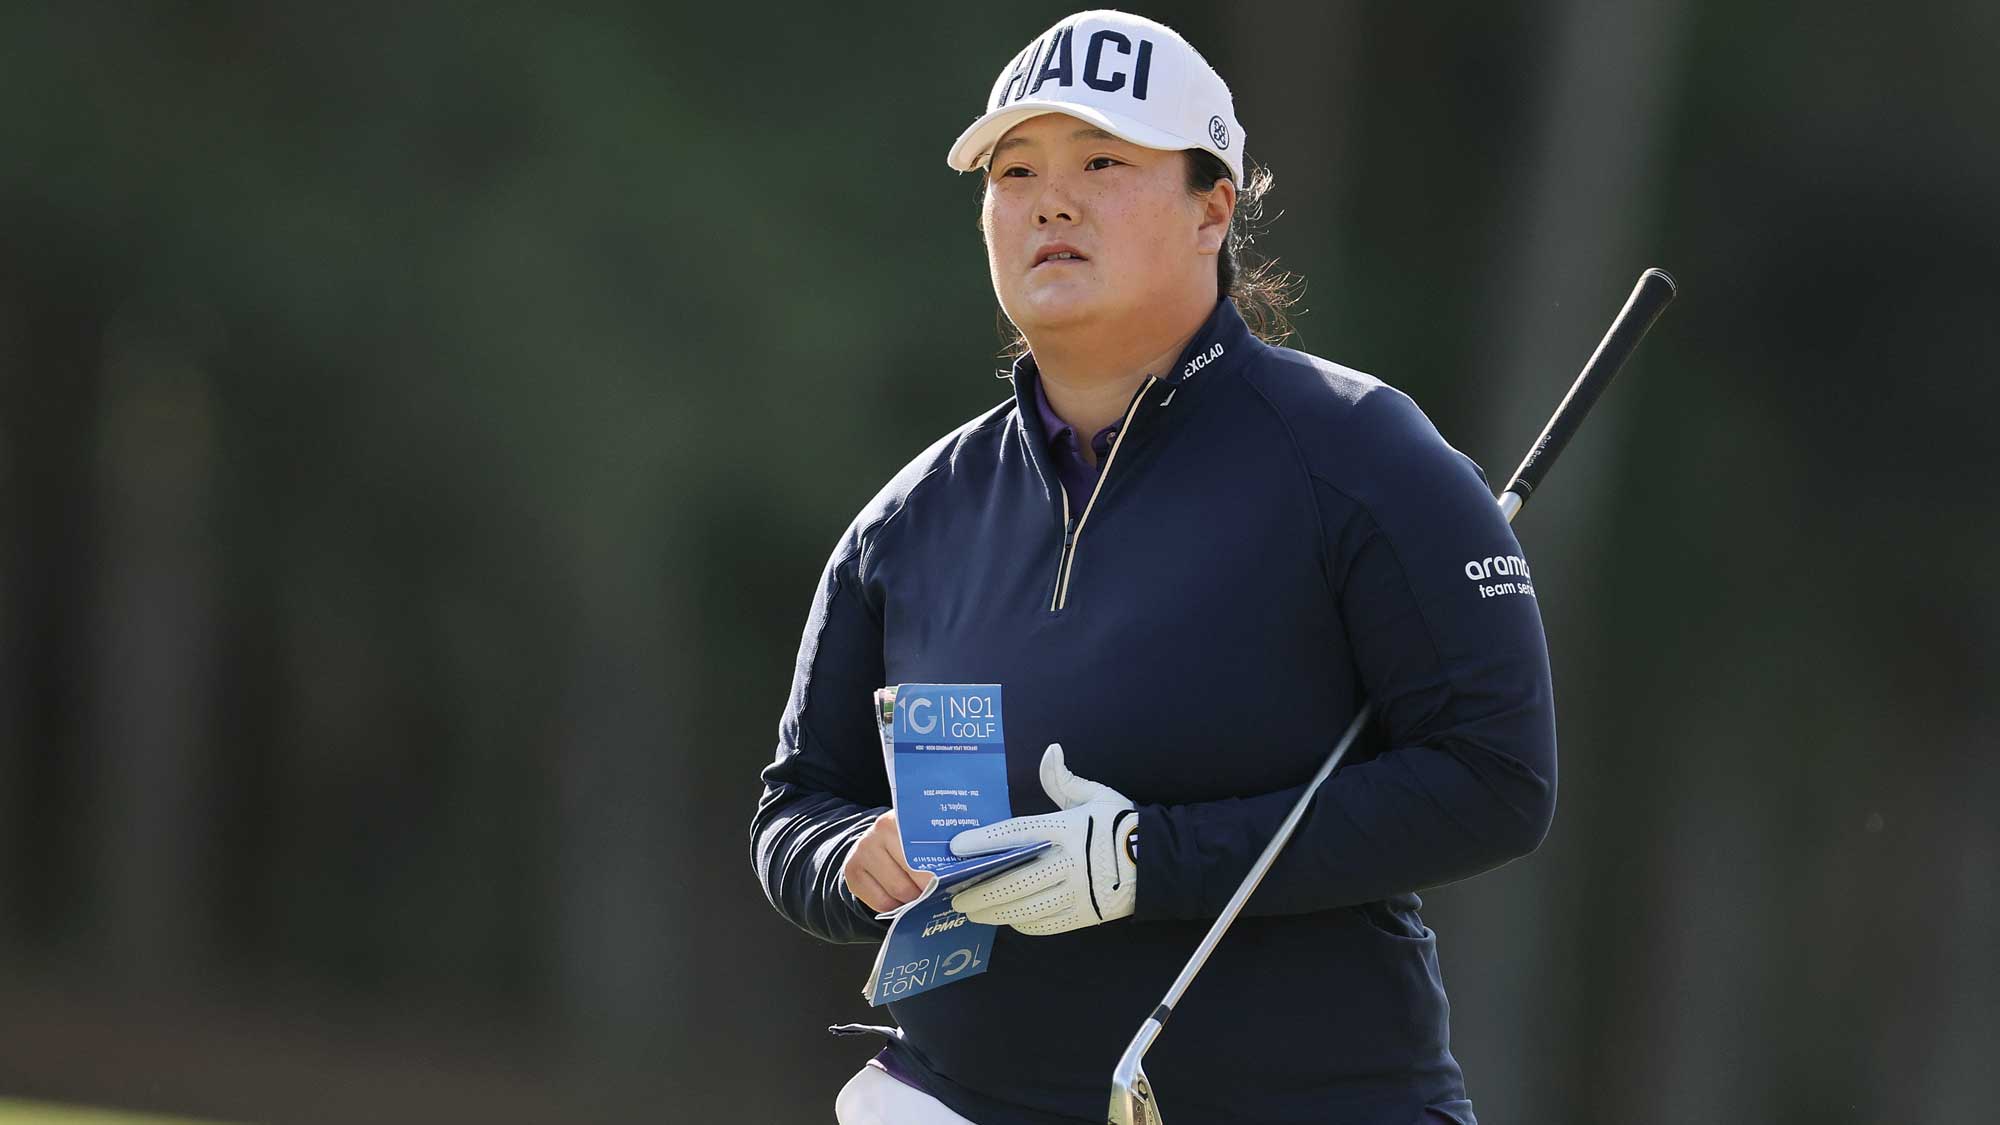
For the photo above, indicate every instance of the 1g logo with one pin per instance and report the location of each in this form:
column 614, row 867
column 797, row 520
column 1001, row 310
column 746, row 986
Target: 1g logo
column 928, row 724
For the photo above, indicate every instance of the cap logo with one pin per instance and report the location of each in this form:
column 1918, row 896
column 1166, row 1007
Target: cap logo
column 1033, row 68
column 1218, row 132
column 1056, row 66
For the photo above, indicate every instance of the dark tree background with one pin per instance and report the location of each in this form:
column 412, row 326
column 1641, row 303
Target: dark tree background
column 421, row 428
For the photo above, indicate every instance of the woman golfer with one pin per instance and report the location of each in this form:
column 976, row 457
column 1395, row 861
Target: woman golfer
column 1190, row 557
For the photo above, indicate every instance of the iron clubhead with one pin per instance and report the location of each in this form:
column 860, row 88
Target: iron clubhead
column 1131, row 1094
column 1132, row 1103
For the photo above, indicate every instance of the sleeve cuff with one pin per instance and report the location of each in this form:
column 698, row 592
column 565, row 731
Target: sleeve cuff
column 1169, row 888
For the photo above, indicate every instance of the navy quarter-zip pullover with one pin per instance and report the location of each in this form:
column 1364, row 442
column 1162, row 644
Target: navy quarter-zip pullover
column 1272, row 541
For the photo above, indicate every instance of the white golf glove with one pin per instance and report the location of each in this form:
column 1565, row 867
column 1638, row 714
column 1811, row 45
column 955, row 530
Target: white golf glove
column 1090, row 876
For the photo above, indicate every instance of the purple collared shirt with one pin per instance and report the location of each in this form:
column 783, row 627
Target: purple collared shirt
column 1078, row 476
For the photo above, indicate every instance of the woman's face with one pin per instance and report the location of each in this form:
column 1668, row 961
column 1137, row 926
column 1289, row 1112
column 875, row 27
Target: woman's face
column 1140, row 240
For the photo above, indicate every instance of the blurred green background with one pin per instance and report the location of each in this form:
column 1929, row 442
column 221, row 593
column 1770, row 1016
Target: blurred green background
column 422, row 427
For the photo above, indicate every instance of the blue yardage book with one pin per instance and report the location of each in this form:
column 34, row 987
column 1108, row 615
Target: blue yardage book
column 945, row 752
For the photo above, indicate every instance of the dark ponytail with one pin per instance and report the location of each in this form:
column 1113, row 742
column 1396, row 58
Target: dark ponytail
column 1264, row 294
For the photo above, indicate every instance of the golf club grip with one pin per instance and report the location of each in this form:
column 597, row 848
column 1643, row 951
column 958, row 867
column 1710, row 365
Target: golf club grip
column 1649, row 297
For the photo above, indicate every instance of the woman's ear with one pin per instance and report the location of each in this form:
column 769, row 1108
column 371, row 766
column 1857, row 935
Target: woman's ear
column 1217, row 207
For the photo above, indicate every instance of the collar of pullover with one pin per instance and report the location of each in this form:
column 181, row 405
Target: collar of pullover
column 1223, row 342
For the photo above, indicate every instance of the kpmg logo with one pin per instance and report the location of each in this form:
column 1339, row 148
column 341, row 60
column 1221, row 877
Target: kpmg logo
column 1036, row 67
column 951, row 923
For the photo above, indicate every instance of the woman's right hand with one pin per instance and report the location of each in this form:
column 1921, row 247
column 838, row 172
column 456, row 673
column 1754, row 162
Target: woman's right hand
column 876, row 871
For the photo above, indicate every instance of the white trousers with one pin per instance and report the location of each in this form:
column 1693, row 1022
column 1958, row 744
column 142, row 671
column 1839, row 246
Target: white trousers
column 871, row 1097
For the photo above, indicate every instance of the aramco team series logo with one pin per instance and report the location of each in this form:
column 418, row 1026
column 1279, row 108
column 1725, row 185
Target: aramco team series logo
column 1480, row 571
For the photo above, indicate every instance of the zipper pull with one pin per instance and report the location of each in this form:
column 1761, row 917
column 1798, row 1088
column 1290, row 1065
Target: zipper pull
column 1069, row 533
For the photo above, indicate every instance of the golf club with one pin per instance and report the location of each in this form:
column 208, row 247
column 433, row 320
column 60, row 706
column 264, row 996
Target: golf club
column 1132, row 1098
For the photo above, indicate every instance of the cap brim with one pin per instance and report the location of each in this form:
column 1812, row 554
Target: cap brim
column 973, row 146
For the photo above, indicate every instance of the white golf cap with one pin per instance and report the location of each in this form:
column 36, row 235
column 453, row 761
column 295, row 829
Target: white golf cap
column 1125, row 74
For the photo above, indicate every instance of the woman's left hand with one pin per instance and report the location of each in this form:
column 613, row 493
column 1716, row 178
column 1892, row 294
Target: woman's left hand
column 1090, row 876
